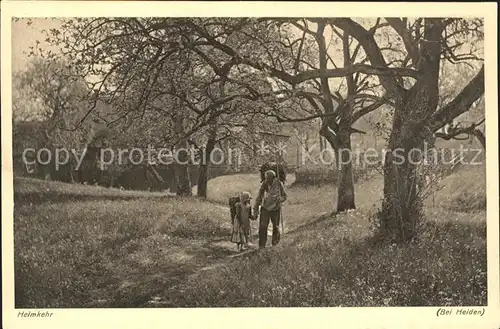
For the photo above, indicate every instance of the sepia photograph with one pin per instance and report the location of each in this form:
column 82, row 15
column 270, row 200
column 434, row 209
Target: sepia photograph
column 251, row 161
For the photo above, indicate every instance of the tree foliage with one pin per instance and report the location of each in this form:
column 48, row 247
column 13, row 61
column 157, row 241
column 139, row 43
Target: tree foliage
column 48, row 96
column 200, row 79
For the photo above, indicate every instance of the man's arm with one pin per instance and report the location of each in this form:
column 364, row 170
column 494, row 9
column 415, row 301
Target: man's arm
column 260, row 195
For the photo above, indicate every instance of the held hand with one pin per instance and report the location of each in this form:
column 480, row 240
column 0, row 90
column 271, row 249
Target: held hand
column 255, row 213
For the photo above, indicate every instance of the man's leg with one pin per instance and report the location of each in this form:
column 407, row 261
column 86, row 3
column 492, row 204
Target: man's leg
column 263, row 224
column 275, row 219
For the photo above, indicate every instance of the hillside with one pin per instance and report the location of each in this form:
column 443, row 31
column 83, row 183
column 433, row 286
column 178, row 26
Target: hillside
column 94, row 247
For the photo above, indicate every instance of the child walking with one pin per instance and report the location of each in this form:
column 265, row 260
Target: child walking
column 241, row 221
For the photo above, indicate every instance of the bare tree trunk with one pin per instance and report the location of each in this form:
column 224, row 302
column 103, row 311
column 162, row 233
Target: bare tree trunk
column 181, row 169
column 341, row 143
column 345, row 193
column 205, row 162
column 297, row 151
column 340, row 140
column 402, row 207
column 155, row 179
column 181, row 160
column 305, row 142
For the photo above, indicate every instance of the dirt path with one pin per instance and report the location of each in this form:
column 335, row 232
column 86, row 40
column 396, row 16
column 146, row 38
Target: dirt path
column 211, row 255
column 154, row 278
column 214, row 254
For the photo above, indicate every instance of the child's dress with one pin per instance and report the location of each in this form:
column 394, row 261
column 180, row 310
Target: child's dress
column 241, row 221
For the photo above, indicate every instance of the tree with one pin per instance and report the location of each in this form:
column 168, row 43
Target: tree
column 295, row 71
column 417, row 117
column 47, row 98
column 136, row 65
column 239, row 108
column 453, row 77
column 135, row 53
column 46, row 92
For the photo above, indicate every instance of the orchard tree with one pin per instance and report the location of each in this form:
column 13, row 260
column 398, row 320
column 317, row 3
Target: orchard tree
column 47, row 93
column 46, row 100
column 136, row 65
column 295, row 54
column 453, row 77
column 417, row 116
column 122, row 64
column 120, row 53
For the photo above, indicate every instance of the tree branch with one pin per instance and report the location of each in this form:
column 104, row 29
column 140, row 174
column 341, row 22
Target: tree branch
column 367, row 40
column 365, row 110
column 460, row 104
column 325, row 86
column 282, row 119
column 454, row 132
column 385, row 73
column 411, row 47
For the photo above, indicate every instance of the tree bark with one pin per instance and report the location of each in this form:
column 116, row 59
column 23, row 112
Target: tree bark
column 155, row 180
column 345, row 193
column 181, row 160
column 202, row 179
column 345, row 189
column 402, row 207
column 334, row 132
column 341, row 144
column 181, row 169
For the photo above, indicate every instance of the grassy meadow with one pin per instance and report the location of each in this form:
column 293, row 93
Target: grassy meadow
column 82, row 246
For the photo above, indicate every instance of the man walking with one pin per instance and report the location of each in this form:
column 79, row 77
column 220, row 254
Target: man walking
column 271, row 195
